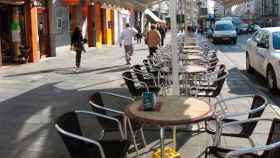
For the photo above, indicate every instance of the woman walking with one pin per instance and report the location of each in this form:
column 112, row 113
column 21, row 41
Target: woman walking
column 77, row 44
column 153, row 40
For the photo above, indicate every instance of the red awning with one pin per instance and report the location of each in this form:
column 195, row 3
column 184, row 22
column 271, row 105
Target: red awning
column 71, row 2
column 14, row 2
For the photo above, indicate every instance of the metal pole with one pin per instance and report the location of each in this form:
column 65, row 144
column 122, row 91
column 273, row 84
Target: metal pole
column 175, row 66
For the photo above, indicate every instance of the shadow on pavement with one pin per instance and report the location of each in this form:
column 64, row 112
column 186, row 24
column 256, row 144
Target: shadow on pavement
column 27, row 120
column 65, row 71
column 260, row 81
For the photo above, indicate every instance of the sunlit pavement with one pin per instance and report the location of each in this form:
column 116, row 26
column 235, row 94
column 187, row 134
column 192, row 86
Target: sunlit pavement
column 33, row 95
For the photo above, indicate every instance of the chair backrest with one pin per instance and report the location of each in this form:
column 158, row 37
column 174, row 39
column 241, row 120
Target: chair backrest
column 219, row 83
column 96, row 99
column 127, row 76
column 257, row 102
column 138, row 73
column 69, row 122
column 273, row 137
column 147, row 65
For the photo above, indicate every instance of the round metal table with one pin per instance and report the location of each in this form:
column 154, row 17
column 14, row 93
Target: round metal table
column 186, row 109
column 192, row 69
column 192, row 47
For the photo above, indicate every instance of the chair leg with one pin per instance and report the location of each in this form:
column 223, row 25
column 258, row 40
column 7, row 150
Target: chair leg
column 252, row 143
column 143, row 137
column 133, row 138
column 125, row 127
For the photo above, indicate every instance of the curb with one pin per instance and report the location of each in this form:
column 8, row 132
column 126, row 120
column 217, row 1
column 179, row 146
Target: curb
column 275, row 108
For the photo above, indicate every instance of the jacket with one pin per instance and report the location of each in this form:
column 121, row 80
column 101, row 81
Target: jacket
column 153, row 38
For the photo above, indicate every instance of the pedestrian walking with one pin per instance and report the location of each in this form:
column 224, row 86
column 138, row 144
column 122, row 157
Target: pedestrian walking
column 161, row 30
column 77, row 44
column 153, row 40
column 127, row 37
column 139, row 35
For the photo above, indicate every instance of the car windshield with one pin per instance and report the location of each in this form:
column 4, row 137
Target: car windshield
column 276, row 40
column 223, row 27
column 244, row 25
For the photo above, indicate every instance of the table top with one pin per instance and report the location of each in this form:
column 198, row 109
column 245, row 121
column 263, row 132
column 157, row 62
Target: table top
column 190, row 57
column 192, row 51
column 175, row 110
column 192, row 47
column 192, row 69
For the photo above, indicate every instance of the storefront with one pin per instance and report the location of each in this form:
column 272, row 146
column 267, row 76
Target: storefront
column 24, row 31
column 12, row 32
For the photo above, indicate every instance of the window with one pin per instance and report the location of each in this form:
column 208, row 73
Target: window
column 276, row 40
column 224, row 27
column 258, row 36
column 265, row 39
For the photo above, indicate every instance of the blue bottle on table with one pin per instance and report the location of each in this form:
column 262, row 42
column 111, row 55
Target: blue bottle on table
column 148, row 101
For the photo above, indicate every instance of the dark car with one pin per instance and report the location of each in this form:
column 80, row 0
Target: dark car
column 253, row 28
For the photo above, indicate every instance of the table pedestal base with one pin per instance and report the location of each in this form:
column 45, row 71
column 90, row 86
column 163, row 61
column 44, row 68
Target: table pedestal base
column 168, row 153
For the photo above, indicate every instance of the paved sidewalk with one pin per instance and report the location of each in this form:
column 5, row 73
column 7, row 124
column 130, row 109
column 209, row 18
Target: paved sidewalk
column 33, row 95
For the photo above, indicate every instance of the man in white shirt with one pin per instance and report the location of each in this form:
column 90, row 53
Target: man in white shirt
column 127, row 37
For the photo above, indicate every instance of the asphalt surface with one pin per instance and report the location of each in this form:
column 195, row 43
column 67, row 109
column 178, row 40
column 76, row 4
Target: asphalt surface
column 236, row 55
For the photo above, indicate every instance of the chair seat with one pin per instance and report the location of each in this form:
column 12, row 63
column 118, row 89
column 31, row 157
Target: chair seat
column 233, row 130
column 115, row 149
column 217, row 152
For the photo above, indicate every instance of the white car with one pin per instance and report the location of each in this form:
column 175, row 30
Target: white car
column 224, row 31
column 263, row 55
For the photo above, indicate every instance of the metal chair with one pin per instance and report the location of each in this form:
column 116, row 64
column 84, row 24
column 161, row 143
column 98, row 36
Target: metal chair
column 137, row 91
column 97, row 105
column 144, row 76
column 270, row 150
column 78, row 146
column 209, row 85
column 243, row 130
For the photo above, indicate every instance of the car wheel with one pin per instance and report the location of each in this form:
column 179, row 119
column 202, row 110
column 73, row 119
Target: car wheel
column 271, row 80
column 214, row 41
column 234, row 40
column 248, row 65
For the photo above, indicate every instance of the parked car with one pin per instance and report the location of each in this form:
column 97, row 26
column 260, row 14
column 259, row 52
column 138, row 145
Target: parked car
column 224, row 31
column 263, row 55
column 244, row 28
column 236, row 21
column 209, row 33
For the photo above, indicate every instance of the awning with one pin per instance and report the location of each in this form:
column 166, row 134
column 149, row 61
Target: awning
column 132, row 4
column 152, row 15
column 14, row 2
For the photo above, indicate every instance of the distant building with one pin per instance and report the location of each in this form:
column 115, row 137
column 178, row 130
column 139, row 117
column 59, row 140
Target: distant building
column 267, row 12
column 219, row 10
column 246, row 11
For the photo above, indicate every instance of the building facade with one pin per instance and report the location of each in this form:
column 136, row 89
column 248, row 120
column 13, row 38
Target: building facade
column 45, row 26
column 268, row 12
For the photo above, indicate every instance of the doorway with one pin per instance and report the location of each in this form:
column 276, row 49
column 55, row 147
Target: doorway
column 43, row 32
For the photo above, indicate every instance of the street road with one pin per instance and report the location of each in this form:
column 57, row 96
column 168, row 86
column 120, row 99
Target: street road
column 236, row 55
